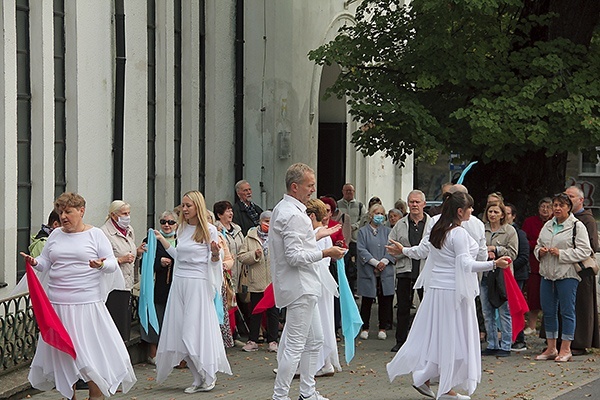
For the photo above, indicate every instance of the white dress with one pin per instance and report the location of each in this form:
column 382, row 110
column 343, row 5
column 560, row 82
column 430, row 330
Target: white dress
column 190, row 328
column 329, row 351
column 77, row 293
column 444, row 338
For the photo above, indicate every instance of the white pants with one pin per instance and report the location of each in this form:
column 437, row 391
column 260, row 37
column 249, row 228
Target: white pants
column 301, row 342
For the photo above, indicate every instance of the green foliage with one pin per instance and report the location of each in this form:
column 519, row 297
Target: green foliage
column 465, row 76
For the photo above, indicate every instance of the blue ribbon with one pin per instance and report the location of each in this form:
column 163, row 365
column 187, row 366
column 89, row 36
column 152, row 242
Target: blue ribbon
column 351, row 320
column 146, row 309
column 462, row 176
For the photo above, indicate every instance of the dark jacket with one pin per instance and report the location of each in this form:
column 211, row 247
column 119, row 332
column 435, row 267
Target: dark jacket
column 589, row 221
column 521, row 263
column 241, row 217
column 163, row 276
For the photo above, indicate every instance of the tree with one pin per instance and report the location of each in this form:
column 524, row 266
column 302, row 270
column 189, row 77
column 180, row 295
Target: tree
column 514, row 84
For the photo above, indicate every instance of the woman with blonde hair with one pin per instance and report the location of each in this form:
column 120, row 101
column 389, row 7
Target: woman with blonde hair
column 191, row 327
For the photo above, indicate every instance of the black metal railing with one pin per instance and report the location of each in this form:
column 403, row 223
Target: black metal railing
column 18, row 333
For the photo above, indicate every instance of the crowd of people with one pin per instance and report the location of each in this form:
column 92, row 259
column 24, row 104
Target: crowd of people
column 212, row 268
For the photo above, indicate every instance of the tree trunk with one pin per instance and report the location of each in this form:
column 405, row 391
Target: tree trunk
column 522, row 183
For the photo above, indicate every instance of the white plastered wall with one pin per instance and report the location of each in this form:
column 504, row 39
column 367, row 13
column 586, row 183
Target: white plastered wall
column 8, row 162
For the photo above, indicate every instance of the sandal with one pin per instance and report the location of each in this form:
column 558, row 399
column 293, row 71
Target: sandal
column 546, row 357
column 565, row 358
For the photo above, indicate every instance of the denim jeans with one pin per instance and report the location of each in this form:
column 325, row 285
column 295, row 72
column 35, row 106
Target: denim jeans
column 552, row 295
column 491, row 328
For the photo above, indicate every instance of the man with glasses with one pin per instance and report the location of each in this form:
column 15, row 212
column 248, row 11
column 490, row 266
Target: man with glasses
column 586, row 329
column 245, row 213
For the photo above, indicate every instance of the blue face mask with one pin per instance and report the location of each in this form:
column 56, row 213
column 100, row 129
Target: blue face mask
column 378, row 219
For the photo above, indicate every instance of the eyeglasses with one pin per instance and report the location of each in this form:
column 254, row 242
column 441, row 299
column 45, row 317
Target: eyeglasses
column 167, row 221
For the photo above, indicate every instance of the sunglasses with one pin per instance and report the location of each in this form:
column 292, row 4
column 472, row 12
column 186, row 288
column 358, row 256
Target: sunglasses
column 167, row 221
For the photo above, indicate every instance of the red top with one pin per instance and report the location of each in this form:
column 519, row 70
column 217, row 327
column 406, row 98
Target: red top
column 532, row 227
column 338, row 237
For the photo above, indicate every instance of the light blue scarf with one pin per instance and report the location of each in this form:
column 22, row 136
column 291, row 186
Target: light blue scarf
column 351, row 320
column 146, row 309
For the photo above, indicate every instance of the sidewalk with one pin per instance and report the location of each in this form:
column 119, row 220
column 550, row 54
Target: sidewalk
column 515, row 377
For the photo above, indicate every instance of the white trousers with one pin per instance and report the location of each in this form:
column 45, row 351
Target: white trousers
column 301, row 342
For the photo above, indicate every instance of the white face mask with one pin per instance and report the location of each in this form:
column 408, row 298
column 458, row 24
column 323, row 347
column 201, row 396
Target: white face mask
column 124, row 222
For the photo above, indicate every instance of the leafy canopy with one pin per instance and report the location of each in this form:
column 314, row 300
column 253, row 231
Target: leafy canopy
column 466, row 76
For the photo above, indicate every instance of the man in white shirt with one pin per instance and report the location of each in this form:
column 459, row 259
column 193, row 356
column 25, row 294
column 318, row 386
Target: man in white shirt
column 296, row 284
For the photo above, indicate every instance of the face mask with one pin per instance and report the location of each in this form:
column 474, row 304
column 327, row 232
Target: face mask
column 378, row 219
column 167, row 235
column 124, row 222
column 264, row 227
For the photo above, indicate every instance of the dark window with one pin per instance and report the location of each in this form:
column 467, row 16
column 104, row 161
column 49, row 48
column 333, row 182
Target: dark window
column 60, row 129
column 151, row 206
column 23, row 132
column 177, row 93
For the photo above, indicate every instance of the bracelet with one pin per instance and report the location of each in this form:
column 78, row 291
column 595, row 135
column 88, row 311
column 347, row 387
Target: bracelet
column 101, row 267
column 493, row 265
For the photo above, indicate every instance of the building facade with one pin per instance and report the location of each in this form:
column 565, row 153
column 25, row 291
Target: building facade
column 144, row 100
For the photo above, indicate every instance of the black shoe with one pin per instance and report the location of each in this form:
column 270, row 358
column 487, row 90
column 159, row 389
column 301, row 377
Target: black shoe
column 502, row 353
column 81, row 385
column 396, row 347
column 489, row 352
column 518, row 346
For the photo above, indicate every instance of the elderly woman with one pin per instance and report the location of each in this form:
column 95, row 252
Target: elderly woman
column 191, row 326
column 80, row 265
column 563, row 242
column 164, row 265
column 375, row 272
column 502, row 240
column 235, row 238
column 119, row 232
column 255, row 254
column 394, row 215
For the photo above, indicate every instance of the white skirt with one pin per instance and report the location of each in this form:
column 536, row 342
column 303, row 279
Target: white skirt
column 329, row 351
column 191, row 329
column 101, row 354
column 443, row 343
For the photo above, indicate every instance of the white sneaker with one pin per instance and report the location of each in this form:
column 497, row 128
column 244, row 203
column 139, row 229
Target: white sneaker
column 315, row 396
column 528, row 331
column 382, row 335
column 250, row 346
column 425, row 390
column 205, row 387
column 273, row 346
column 326, row 371
column 364, row 335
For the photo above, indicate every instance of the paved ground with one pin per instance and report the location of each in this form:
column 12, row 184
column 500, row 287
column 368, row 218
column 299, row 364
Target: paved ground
column 515, row 377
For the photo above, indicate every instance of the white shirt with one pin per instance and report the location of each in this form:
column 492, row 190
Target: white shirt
column 473, row 226
column 66, row 257
column 294, row 253
column 191, row 257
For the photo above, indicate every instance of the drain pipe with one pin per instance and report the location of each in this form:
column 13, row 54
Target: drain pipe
column 238, row 113
column 119, row 100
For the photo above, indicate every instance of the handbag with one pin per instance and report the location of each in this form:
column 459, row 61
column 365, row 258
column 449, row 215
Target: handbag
column 589, row 262
column 496, row 288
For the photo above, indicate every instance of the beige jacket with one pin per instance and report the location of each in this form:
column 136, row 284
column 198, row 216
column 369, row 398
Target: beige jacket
column 122, row 245
column 259, row 268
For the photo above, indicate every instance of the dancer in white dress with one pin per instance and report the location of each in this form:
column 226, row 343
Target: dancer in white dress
column 444, row 339
column 81, row 268
column 329, row 361
column 190, row 330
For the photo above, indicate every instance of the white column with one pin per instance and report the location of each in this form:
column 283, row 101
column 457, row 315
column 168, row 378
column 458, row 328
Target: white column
column 41, row 33
column 190, row 95
column 8, row 149
column 220, row 100
column 135, row 141
column 165, row 105
column 89, row 107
